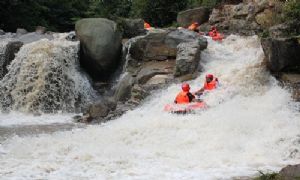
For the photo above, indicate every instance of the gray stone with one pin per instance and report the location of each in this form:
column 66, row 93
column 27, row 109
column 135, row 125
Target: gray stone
column 98, row 110
column 158, row 80
column 72, row 36
column 21, row 31
column 160, row 44
column 200, row 15
column 40, row 29
column 187, row 59
column 282, row 54
column 292, row 81
column 7, row 54
column 133, row 27
column 174, row 38
column 123, row 88
column 100, row 46
column 32, row 37
column 2, row 32
column 290, row 172
column 138, row 93
column 285, row 29
column 101, row 108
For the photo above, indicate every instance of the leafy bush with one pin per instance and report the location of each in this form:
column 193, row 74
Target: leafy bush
column 291, row 10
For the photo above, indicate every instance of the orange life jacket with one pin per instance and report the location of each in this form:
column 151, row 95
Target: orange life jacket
column 193, row 27
column 212, row 85
column 182, row 98
column 146, row 25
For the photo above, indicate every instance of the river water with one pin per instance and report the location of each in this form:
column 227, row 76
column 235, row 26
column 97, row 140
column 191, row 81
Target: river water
column 251, row 124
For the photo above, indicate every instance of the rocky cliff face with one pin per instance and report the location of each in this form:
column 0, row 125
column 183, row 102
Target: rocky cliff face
column 247, row 18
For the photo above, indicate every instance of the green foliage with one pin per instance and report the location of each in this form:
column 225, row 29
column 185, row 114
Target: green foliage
column 268, row 176
column 109, row 8
column 291, row 10
column 57, row 15
column 159, row 12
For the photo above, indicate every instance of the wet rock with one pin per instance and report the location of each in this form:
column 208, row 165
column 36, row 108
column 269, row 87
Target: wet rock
column 200, row 15
column 285, row 29
column 282, row 54
column 290, row 172
column 72, row 36
column 7, row 54
column 21, row 31
column 40, row 30
column 138, row 93
column 123, row 88
column 101, row 109
column 2, row 32
column 160, row 44
column 187, row 60
column 133, row 27
column 158, row 80
column 100, row 46
column 265, row 18
column 293, row 82
column 32, row 37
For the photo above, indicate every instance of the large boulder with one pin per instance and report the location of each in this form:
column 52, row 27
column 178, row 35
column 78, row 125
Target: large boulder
column 7, row 54
column 2, row 32
column 160, row 44
column 100, row 46
column 187, row 59
column 282, row 54
column 200, row 15
column 290, row 172
column 285, row 29
column 133, row 27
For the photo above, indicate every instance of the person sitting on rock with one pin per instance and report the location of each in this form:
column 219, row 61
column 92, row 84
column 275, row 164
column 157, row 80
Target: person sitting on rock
column 184, row 96
column 194, row 27
column 210, row 84
column 147, row 25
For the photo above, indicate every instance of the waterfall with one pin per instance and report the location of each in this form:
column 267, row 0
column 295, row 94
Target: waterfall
column 45, row 77
column 251, row 124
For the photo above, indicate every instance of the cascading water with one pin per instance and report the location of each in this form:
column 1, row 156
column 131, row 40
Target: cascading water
column 45, row 77
column 251, row 124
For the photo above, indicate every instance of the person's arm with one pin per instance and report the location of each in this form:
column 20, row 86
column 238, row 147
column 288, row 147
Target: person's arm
column 191, row 97
column 200, row 91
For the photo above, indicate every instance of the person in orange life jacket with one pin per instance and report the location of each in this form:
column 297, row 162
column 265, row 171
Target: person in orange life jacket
column 211, row 83
column 147, row 25
column 194, row 27
column 184, row 96
column 213, row 31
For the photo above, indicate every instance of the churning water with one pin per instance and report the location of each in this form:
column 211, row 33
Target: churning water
column 252, row 124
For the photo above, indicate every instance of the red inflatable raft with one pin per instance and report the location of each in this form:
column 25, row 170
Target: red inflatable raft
column 185, row 108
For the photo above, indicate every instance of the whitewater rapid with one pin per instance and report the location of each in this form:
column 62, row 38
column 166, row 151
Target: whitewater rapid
column 252, row 124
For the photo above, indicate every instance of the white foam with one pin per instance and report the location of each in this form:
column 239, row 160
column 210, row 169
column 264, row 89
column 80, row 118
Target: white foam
column 17, row 118
column 251, row 125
